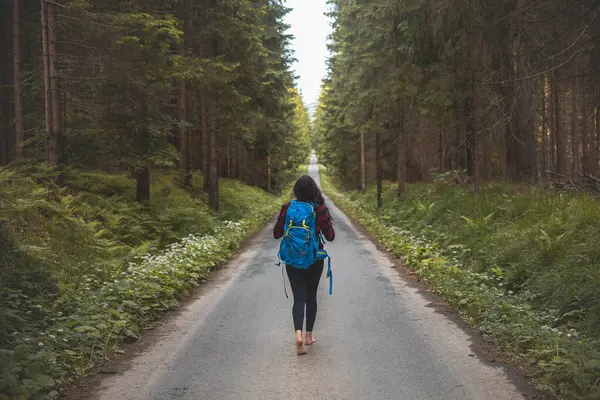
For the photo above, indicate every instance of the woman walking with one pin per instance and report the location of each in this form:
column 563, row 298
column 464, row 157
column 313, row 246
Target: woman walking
column 304, row 282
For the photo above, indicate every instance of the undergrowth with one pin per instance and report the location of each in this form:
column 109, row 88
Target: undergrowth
column 84, row 267
column 519, row 263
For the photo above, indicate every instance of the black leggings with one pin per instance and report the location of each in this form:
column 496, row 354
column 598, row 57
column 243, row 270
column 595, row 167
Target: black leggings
column 304, row 287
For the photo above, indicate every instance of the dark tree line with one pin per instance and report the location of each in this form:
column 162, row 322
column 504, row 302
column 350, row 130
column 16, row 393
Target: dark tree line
column 504, row 90
column 138, row 86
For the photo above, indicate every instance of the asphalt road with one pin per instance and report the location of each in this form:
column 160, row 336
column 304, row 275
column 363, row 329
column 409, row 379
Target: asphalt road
column 378, row 338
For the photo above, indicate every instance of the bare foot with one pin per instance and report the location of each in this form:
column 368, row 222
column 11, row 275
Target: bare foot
column 300, row 348
column 310, row 339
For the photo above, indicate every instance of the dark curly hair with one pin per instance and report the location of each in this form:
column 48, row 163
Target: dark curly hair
column 306, row 190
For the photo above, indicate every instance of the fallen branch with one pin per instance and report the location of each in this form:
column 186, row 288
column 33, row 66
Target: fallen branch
column 586, row 182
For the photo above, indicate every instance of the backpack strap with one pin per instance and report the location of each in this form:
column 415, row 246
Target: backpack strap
column 330, row 275
column 282, row 275
column 284, row 285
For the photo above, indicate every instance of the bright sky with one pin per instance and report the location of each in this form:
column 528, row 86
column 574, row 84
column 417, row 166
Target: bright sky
column 311, row 28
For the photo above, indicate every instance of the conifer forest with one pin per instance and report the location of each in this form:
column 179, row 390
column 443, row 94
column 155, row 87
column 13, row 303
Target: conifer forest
column 503, row 90
column 145, row 144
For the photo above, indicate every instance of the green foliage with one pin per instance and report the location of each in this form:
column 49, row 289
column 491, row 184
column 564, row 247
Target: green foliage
column 519, row 263
column 82, row 267
column 119, row 118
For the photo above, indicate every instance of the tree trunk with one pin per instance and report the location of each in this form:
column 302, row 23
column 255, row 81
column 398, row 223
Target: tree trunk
column 363, row 174
column 229, row 158
column 378, row 171
column 56, row 141
column 520, row 146
column 185, row 176
column 205, row 134
column 239, row 160
column 460, row 160
column 527, row 154
column 471, row 111
column 4, row 116
column 19, row 130
column 413, row 170
column 472, row 135
column 6, row 79
column 441, row 150
column 255, row 169
column 544, row 161
column 595, row 132
column 194, row 132
column 401, row 153
column 596, row 152
column 584, row 132
column 558, row 137
column 234, row 161
column 5, row 113
column 204, row 129
column 50, row 142
column 185, row 142
column 142, row 189
column 142, row 173
column 484, row 160
column 574, row 138
column 399, row 123
column 213, row 173
column 507, row 95
column 552, row 136
column 269, row 174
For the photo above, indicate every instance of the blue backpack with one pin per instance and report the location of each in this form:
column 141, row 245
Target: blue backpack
column 299, row 247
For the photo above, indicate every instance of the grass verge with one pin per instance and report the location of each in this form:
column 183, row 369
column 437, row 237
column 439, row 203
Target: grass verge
column 519, row 264
column 84, row 268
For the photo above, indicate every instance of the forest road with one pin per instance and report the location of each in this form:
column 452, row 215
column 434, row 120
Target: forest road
column 379, row 337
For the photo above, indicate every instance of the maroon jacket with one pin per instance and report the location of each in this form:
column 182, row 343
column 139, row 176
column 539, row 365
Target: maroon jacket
column 323, row 223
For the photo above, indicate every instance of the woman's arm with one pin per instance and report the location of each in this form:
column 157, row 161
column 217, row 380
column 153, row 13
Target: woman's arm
column 279, row 225
column 326, row 224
